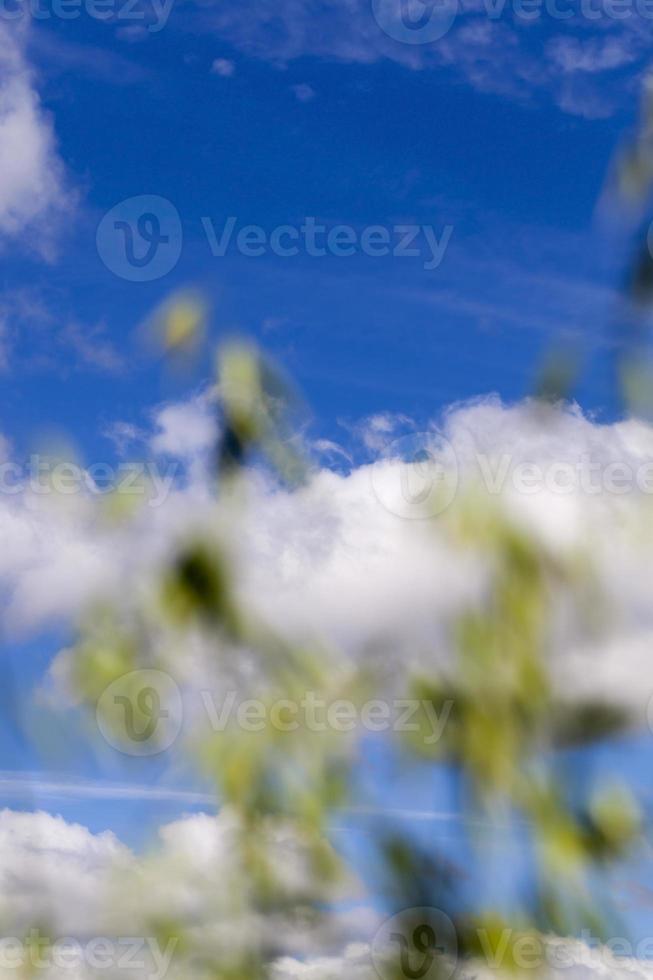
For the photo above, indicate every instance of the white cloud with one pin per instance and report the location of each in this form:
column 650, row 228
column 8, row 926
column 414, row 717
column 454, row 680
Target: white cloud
column 223, row 67
column 355, row 964
column 33, row 194
column 376, row 431
column 489, row 45
column 61, row 877
column 593, row 55
column 333, row 562
column 52, row 561
column 54, row 873
column 185, row 429
column 123, row 435
column 577, row 962
column 328, row 561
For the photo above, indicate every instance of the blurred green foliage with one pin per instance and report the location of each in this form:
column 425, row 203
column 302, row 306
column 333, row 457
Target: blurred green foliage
column 507, row 720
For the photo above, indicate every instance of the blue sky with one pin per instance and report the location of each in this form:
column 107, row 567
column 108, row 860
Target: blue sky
column 377, row 142
column 502, row 131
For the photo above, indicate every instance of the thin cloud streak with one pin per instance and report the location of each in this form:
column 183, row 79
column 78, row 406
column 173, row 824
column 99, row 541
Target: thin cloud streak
column 35, row 784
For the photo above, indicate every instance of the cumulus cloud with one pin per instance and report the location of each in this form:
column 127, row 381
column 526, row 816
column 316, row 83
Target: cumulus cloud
column 185, row 429
column 53, row 872
column 51, row 564
column 363, row 560
column 355, row 964
column 577, row 962
column 76, row 884
column 60, row 877
column 60, row 551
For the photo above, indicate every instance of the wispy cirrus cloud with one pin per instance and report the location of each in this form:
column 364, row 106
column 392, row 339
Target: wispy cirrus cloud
column 27, row 786
column 37, row 332
column 491, row 45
